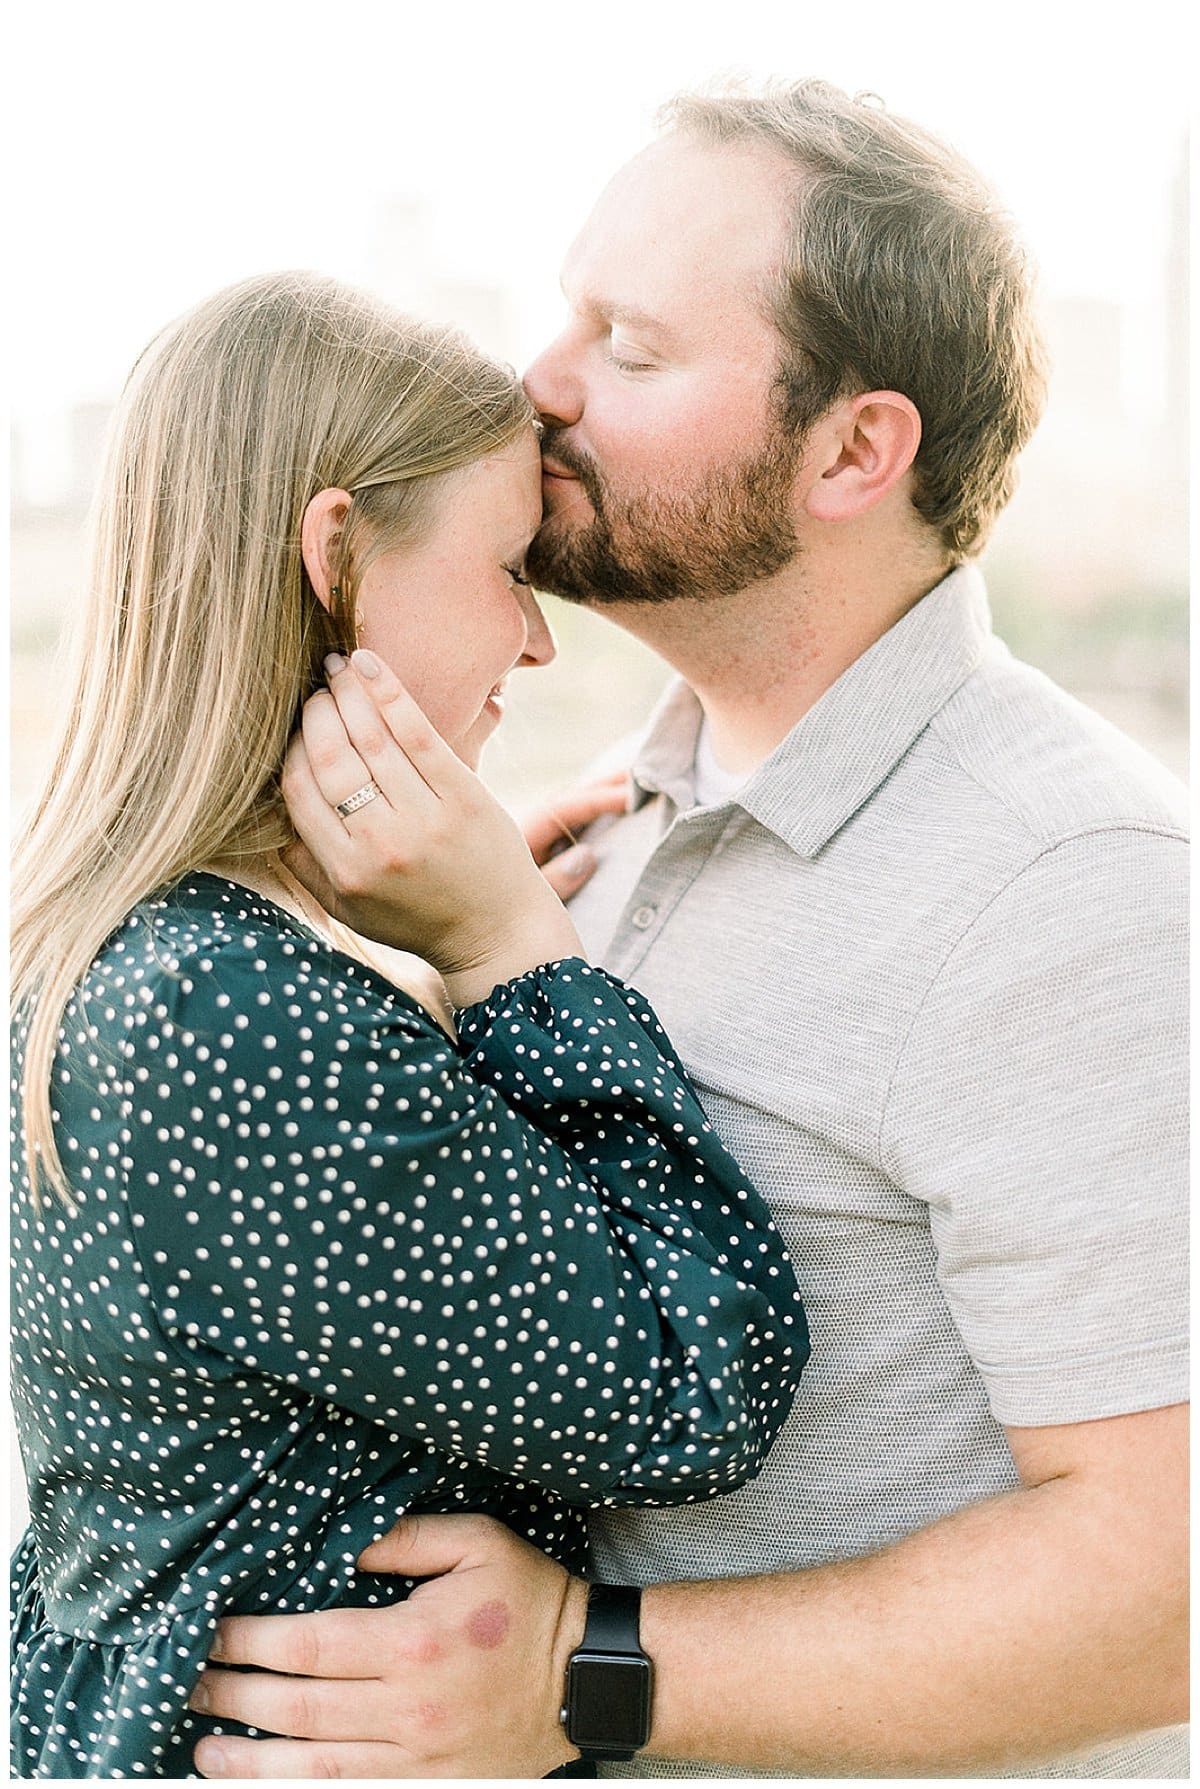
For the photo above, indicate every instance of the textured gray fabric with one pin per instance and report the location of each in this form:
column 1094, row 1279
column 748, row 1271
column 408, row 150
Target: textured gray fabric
column 928, row 969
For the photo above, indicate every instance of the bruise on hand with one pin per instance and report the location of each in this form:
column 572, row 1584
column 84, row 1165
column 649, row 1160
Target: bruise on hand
column 487, row 1626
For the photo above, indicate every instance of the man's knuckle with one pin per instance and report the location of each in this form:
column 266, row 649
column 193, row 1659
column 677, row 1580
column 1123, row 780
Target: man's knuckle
column 424, row 1647
column 299, row 1711
column 303, row 1658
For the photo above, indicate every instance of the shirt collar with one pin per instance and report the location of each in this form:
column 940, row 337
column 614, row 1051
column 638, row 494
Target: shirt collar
column 839, row 753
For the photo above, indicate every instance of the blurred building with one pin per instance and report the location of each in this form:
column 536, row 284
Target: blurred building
column 1101, row 512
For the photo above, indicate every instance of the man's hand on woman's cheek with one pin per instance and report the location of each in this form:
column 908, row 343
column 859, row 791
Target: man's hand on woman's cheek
column 464, row 1679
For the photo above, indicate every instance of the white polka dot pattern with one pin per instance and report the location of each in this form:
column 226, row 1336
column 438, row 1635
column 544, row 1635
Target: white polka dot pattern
column 326, row 1266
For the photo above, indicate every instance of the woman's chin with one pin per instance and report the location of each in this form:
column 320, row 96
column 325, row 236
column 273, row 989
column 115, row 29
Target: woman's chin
column 469, row 749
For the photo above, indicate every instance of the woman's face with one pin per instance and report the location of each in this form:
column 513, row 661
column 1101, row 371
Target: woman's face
column 449, row 613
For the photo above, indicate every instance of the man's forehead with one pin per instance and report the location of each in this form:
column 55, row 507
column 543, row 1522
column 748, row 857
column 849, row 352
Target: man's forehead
column 680, row 213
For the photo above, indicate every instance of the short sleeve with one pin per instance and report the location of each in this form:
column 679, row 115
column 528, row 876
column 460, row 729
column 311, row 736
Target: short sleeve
column 1039, row 1108
column 529, row 1250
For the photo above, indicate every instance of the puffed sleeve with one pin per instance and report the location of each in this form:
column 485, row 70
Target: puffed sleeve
column 529, row 1249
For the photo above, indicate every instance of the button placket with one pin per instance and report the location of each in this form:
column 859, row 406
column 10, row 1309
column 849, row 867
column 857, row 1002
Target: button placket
column 666, row 878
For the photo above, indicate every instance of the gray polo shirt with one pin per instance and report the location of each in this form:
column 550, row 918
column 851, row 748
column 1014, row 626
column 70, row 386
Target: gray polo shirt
column 928, row 969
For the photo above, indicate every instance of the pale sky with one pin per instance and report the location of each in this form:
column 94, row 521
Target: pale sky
column 164, row 149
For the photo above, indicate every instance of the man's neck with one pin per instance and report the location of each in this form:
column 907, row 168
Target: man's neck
column 759, row 660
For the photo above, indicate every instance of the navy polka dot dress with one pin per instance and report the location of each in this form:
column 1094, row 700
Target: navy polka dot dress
column 326, row 1266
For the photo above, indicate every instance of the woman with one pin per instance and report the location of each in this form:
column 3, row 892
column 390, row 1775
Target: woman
column 294, row 1250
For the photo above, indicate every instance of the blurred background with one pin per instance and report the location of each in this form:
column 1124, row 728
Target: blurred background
column 446, row 156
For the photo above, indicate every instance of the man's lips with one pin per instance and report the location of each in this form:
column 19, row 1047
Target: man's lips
column 552, row 468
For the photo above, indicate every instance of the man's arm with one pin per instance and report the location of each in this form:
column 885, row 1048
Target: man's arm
column 1032, row 1625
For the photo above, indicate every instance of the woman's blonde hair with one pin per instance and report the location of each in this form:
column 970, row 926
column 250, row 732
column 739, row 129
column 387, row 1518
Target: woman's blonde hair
column 201, row 635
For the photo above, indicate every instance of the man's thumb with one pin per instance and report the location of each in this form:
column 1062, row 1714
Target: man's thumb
column 420, row 1546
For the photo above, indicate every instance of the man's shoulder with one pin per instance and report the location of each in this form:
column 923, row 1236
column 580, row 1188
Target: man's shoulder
column 1045, row 765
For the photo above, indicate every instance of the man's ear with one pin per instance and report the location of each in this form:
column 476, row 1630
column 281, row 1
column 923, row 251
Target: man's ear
column 866, row 446
column 320, row 540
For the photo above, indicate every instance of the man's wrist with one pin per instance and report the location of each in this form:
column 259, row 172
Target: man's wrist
column 567, row 1638
column 608, row 1689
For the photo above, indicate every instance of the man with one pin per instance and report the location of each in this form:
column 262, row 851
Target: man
column 915, row 921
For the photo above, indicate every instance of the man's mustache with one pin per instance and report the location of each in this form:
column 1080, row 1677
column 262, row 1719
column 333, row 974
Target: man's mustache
column 555, row 447
column 579, row 464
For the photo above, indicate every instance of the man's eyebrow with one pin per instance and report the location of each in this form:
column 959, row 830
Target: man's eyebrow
column 628, row 316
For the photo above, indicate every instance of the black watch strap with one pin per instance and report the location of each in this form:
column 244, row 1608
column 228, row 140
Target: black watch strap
column 606, row 1711
column 613, row 1613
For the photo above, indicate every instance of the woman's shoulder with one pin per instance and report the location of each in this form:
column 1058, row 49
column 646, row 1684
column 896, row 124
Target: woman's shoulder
column 208, row 947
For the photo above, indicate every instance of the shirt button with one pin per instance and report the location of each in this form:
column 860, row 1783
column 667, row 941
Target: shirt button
column 643, row 917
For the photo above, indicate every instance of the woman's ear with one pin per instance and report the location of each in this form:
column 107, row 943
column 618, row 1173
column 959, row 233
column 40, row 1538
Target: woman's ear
column 320, row 540
column 872, row 443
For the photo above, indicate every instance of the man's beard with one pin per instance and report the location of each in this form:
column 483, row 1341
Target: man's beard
column 731, row 529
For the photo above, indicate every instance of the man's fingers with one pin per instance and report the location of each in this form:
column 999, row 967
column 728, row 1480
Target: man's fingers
column 225, row 1755
column 548, row 828
column 424, row 1546
column 330, row 1643
column 567, row 873
column 302, row 1707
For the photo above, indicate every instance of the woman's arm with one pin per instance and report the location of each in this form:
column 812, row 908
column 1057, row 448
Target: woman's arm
column 538, row 1256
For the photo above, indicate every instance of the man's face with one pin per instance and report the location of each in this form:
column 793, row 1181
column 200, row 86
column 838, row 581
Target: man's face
column 667, row 471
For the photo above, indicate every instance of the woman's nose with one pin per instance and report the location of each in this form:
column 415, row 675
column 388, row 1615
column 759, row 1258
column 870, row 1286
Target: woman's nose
column 540, row 645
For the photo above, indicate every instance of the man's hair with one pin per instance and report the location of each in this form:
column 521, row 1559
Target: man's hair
column 902, row 273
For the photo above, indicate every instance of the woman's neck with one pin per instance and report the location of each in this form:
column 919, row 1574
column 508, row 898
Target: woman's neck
column 267, row 874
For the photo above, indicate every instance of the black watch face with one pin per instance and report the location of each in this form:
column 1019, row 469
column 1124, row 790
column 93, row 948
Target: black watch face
column 608, row 1701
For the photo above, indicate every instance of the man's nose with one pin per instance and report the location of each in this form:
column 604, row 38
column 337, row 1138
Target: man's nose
column 553, row 386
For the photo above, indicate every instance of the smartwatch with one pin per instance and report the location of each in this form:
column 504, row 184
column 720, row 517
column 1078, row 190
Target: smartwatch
column 610, row 1681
